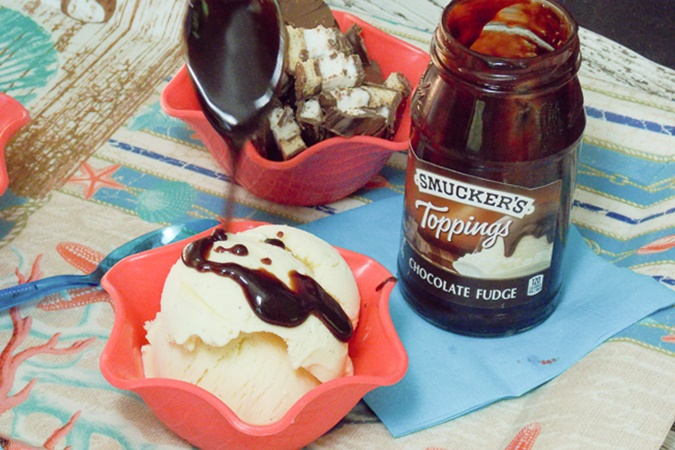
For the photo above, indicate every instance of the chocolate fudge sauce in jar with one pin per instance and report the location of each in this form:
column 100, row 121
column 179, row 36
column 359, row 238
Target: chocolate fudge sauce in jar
column 497, row 122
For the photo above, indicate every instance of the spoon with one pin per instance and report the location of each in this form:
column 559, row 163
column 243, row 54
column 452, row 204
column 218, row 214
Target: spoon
column 235, row 57
column 26, row 292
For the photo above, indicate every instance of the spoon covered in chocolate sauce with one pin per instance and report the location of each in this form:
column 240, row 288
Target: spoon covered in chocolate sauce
column 235, row 58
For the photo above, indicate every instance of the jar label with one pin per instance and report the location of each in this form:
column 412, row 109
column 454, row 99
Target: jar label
column 475, row 241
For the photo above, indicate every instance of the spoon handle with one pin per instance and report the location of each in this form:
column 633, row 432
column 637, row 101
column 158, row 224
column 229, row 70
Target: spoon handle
column 22, row 293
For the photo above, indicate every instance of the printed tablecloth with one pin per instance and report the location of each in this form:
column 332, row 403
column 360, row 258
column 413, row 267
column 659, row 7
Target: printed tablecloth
column 101, row 163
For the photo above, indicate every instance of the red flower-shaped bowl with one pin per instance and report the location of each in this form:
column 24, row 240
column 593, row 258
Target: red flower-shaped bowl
column 327, row 171
column 13, row 116
column 135, row 285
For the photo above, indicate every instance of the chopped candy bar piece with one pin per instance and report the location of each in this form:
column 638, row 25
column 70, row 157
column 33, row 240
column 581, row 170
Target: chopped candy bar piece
column 382, row 96
column 353, row 36
column 398, row 82
column 371, row 68
column 354, row 122
column 331, row 87
column 310, row 111
column 373, row 73
column 310, row 118
column 307, row 13
column 362, row 102
column 286, row 131
column 296, row 50
column 340, row 71
column 385, row 101
column 308, row 79
column 324, row 42
column 366, row 96
column 344, row 99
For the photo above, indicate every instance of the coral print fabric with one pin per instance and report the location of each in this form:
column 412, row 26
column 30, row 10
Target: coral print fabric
column 100, row 163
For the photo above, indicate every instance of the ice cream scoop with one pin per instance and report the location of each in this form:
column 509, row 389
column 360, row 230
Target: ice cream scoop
column 258, row 318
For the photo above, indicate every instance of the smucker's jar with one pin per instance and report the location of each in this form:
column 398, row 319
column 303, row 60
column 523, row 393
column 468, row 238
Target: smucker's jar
column 497, row 121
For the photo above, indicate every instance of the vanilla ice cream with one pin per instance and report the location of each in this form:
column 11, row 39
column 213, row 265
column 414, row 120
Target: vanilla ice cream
column 530, row 256
column 208, row 332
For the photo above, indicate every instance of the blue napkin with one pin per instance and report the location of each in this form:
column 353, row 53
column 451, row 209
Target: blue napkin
column 450, row 375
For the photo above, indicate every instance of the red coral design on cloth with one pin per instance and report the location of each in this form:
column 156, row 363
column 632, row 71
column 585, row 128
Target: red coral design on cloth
column 660, row 245
column 35, row 272
column 61, row 433
column 95, row 179
column 10, row 362
column 669, row 338
column 526, row 438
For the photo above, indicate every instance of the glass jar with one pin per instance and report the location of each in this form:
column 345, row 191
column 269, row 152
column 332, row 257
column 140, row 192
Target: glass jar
column 497, row 121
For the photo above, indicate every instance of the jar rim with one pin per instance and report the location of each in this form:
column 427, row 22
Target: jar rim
column 497, row 61
column 545, row 72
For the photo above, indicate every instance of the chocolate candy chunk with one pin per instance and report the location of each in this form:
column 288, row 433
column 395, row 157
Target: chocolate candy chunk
column 306, row 13
column 308, row 79
column 353, row 36
column 286, row 131
column 332, row 86
column 371, row 68
column 398, row 82
column 354, row 122
column 310, row 118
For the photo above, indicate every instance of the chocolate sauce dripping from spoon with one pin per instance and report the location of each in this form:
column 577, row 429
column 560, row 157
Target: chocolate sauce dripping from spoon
column 235, row 58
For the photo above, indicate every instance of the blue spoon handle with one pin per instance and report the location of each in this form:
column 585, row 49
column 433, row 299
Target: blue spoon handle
column 26, row 292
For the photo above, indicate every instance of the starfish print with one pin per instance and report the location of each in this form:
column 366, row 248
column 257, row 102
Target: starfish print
column 85, row 259
column 93, row 179
column 660, row 245
column 526, row 437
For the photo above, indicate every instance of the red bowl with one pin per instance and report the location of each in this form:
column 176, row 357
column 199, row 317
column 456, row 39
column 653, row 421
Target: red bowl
column 135, row 285
column 13, row 116
column 327, row 171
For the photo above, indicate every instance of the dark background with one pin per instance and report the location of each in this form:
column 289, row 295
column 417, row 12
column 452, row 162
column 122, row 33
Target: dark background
column 645, row 26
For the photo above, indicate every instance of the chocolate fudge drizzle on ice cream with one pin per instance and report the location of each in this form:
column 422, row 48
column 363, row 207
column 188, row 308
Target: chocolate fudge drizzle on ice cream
column 271, row 300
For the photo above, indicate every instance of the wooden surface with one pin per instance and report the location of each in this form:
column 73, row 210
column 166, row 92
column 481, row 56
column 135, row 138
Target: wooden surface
column 108, row 71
